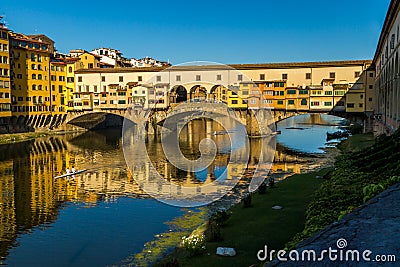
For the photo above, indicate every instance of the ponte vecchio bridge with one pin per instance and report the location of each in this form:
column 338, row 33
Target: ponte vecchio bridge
column 287, row 89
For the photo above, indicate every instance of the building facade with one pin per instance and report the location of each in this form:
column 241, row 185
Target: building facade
column 386, row 63
column 314, row 86
column 5, row 85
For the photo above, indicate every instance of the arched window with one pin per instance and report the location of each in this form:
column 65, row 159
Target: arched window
column 39, row 76
column 33, row 66
column 33, row 76
column 34, row 99
column 70, row 69
column 33, row 86
column 40, row 98
column 39, row 67
column 40, row 87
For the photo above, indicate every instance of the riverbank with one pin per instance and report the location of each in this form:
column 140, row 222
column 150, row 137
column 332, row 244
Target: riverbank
column 249, row 229
column 21, row 137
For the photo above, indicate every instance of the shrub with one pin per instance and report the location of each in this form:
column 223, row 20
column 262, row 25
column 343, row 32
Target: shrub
column 194, row 244
column 213, row 232
column 271, row 182
column 247, row 201
column 262, row 189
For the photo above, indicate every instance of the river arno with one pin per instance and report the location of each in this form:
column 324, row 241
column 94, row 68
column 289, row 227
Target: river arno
column 102, row 217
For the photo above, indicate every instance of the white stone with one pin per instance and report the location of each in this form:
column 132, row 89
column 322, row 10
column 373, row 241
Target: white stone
column 226, row 251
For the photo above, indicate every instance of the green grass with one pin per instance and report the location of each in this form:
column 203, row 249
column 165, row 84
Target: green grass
column 357, row 142
column 249, row 229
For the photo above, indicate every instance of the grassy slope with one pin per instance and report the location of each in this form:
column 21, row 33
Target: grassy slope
column 249, row 229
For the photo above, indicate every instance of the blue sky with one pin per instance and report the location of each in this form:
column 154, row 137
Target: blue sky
column 218, row 31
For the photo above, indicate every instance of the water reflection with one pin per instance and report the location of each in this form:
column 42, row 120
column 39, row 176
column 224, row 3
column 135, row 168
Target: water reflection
column 31, row 199
column 307, row 133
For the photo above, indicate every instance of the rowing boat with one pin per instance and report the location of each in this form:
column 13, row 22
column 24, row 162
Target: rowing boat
column 70, row 174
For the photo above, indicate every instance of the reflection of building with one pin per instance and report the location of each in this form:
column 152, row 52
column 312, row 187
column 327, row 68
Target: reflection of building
column 7, row 206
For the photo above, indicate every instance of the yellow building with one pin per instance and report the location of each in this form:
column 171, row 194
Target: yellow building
column 58, row 84
column 87, row 60
column 355, row 98
column 31, row 94
column 279, row 93
column 5, row 91
column 237, row 97
column 71, row 65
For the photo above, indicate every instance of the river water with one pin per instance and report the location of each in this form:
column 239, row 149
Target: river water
column 102, row 217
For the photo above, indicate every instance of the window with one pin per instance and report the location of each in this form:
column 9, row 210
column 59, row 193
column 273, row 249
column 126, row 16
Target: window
column 39, row 67
column 328, row 93
column 39, row 76
column 291, row 92
column 314, row 103
column 80, row 79
column 245, row 92
column 371, row 74
column 158, row 78
column 70, row 69
column 361, row 96
column 178, row 78
column 53, row 88
column 280, row 102
column 284, row 76
column 234, row 102
column 281, row 92
column 360, row 105
column 33, row 76
column 332, row 75
column 33, row 87
column 198, row 77
column 370, row 99
column 219, row 77
column 262, row 77
column 95, row 88
column 303, row 102
column 33, row 58
column 253, row 101
column 103, row 78
column 139, row 78
column 303, row 92
column 240, row 77
column 269, row 92
column 121, row 79
column 350, row 105
column 308, row 76
column 70, row 79
column 327, row 104
column 61, row 78
column 33, row 66
column 356, row 74
column 267, row 101
column 371, row 86
column 87, row 88
column 291, row 102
